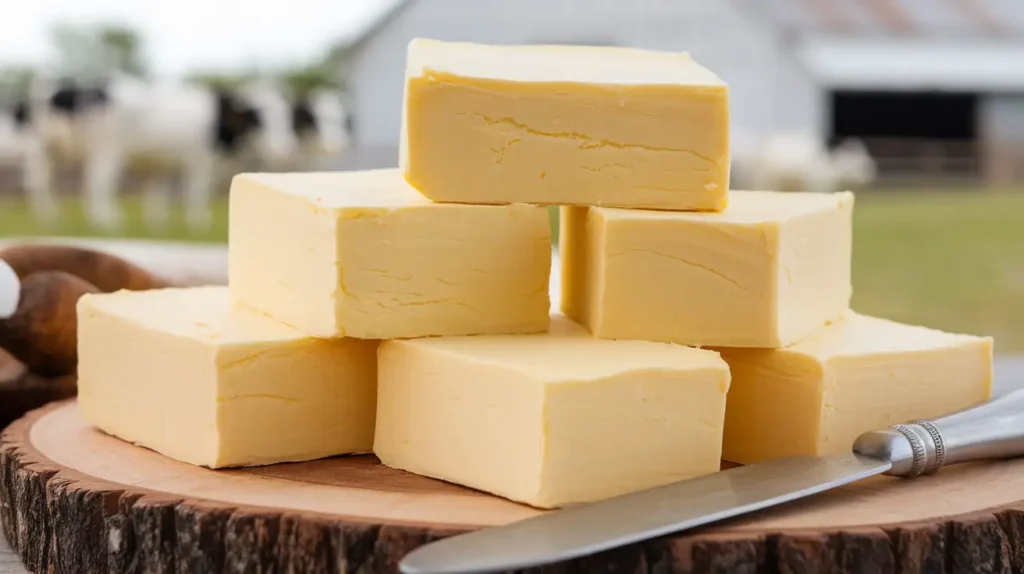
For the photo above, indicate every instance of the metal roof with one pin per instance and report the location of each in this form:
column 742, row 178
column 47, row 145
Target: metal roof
column 918, row 18
column 915, row 18
column 974, row 45
column 915, row 64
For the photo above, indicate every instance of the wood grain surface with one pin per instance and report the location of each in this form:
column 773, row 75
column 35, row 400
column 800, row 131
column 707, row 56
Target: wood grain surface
column 74, row 497
column 9, row 561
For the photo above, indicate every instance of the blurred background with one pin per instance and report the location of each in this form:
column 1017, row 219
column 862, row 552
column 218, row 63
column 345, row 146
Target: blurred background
column 126, row 119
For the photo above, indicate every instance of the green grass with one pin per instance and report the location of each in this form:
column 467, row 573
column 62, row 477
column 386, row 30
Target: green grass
column 15, row 221
column 952, row 261
column 949, row 260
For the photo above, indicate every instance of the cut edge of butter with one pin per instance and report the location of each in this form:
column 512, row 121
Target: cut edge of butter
column 421, row 53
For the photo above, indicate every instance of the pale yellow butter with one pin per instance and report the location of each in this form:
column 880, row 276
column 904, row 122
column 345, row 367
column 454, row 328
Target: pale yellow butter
column 363, row 254
column 188, row 374
column 766, row 272
column 550, row 419
column 860, row 374
column 564, row 125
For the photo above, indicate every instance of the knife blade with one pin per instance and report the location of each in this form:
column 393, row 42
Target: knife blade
column 994, row 429
column 591, row 528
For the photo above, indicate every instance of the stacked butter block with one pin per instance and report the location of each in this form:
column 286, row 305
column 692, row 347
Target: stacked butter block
column 551, row 418
column 189, row 374
column 405, row 311
column 363, row 254
column 564, row 125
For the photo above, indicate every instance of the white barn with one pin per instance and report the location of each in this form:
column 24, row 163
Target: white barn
column 928, row 84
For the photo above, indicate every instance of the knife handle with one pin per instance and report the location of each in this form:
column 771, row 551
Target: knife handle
column 989, row 430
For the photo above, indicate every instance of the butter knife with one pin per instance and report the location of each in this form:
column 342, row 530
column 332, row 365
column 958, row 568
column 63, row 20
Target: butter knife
column 990, row 430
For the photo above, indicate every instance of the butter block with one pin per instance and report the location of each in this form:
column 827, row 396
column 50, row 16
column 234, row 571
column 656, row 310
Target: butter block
column 550, row 419
column 363, row 254
column 189, row 374
column 564, row 125
column 768, row 271
column 859, row 374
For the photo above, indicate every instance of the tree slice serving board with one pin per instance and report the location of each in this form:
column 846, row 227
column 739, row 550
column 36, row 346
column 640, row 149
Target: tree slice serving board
column 76, row 500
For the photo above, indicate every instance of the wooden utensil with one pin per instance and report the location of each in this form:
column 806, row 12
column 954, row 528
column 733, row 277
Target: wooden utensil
column 45, row 285
column 107, row 272
column 22, row 391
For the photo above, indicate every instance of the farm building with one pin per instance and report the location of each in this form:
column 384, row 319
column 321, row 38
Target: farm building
column 933, row 87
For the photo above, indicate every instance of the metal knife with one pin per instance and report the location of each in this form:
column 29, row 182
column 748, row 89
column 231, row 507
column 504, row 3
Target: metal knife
column 990, row 430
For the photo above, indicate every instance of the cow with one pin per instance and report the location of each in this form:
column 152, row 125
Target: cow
column 323, row 127
column 798, row 161
column 10, row 136
column 161, row 127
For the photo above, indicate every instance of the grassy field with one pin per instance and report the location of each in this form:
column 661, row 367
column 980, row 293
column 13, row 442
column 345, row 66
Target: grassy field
column 15, row 221
column 950, row 260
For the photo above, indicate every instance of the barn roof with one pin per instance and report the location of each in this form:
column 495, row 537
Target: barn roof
column 905, row 64
column 881, row 44
column 927, row 18
column 916, row 18
column 951, row 45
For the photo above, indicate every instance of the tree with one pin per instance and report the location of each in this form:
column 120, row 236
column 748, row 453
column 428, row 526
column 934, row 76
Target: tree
column 322, row 73
column 304, row 79
column 221, row 80
column 89, row 52
column 15, row 81
column 123, row 49
column 75, row 52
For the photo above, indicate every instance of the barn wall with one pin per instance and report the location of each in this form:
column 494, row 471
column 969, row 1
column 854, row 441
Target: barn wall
column 1002, row 134
column 768, row 89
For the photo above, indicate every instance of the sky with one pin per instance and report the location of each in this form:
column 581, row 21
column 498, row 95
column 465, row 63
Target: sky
column 184, row 35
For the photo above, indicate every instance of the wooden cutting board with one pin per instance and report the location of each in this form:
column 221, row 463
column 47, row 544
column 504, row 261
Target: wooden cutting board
column 76, row 500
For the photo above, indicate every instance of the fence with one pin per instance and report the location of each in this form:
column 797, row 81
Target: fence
column 954, row 162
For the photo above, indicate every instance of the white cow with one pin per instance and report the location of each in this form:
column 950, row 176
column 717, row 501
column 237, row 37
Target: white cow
column 852, row 163
column 799, row 162
column 159, row 126
column 10, row 139
column 323, row 127
column 330, row 134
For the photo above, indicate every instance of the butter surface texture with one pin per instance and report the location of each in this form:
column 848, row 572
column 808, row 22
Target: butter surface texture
column 363, row 254
column 188, row 374
column 564, row 125
column 553, row 418
column 859, row 374
column 768, row 271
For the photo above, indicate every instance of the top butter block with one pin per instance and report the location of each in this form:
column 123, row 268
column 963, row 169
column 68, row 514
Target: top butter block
column 597, row 126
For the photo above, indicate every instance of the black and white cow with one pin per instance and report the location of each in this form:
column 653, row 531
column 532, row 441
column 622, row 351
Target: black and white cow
column 128, row 122
column 10, row 135
column 323, row 127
